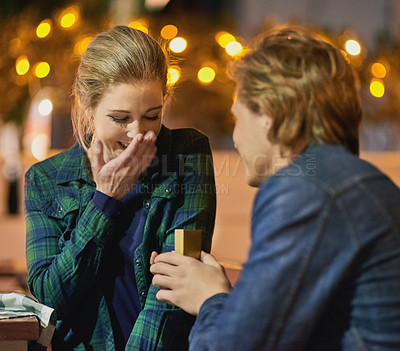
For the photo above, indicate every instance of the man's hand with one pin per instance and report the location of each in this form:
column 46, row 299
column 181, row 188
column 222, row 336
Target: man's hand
column 186, row 282
column 117, row 177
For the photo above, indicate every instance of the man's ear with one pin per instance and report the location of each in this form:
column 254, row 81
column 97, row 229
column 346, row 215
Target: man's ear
column 268, row 121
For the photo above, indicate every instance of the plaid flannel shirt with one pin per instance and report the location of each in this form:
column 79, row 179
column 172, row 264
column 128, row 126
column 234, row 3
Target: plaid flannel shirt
column 67, row 236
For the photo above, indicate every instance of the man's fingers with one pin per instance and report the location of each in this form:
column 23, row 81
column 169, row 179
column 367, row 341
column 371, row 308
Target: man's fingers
column 164, row 269
column 209, row 259
column 163, row 281
column 166, row 296
column 153, row 256
column 173, row 258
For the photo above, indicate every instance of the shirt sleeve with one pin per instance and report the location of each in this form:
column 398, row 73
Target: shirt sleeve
column 64, row 243
column 168, row 323
column 107, row 204
column 287, row 280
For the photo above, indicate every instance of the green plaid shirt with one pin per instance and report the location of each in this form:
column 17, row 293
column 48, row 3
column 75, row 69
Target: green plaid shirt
column 67, row 236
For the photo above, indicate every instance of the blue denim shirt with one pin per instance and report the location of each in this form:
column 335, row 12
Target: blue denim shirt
column 324, row 267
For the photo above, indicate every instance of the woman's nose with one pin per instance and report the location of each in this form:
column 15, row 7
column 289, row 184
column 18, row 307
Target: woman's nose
column 134, row 128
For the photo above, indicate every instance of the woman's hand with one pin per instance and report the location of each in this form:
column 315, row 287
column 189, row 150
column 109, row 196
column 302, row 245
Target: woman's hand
column 117, row 177
column 186, row 282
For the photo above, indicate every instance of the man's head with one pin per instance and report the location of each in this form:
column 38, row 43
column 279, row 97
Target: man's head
column 305, row 85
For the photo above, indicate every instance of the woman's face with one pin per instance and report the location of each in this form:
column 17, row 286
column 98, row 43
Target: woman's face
column 125, row 111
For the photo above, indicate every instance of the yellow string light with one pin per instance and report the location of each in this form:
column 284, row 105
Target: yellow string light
column 22, row 65
column 44, row 28
column 42, row 69
column 206, row 75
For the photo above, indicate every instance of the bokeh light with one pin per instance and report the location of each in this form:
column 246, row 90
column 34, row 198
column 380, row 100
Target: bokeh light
column 69, row 17
column 224, row 38
column 45, row 107
column 206, row 75
column 174, row 73
column 377, row 88
column 81, row 46
column 140, row 24
column 44, row 28
column 353, row 47
column 39, row 146
column 169, row 31
column 22, row 65
column 42, row 69
column 378, row 70
column 178, row 45
column 234, row 48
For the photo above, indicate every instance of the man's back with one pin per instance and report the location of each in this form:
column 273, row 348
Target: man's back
column 354, row 267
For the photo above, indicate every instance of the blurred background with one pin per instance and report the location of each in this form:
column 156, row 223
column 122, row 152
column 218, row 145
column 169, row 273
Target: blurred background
column 41, row 42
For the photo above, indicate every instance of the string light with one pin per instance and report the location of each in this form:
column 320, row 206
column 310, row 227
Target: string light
column 42, row 69
column 174, row 73
column 44, row 28
column 224, row 38
column 69, row 17
column 377, row 88
column 178, row 45
column 22, row 65
column 140, row 24
column 169, row 31
column 81, row 46
column 206, row 75
column 45, row 107
column 234, row 48
column 378, row 70
column 353, row 47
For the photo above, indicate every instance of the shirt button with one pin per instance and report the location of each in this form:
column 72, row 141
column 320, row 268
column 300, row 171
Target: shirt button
column 143, row 294
column 137, row 262
column 147, row 205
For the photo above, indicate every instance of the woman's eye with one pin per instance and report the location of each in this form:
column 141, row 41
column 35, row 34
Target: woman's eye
column 152, row 118
column 119, row 120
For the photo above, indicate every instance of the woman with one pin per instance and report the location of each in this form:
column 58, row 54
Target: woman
column 94, row 213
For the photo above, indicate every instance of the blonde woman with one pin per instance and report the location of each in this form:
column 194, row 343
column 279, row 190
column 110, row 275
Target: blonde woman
column 95, row 212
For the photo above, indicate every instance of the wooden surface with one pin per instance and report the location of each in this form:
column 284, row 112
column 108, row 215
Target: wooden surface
column 22, row 328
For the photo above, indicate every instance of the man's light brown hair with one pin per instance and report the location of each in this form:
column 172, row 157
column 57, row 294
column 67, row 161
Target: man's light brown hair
column 305, row 84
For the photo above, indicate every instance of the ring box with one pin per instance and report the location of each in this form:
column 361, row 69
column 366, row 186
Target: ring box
column 188, row 242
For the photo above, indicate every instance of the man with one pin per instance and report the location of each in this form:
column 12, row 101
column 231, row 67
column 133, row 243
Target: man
column 323, row 271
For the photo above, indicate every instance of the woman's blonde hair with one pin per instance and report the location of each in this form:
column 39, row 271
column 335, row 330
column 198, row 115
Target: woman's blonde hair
column 120, row 55
column 305, row 84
